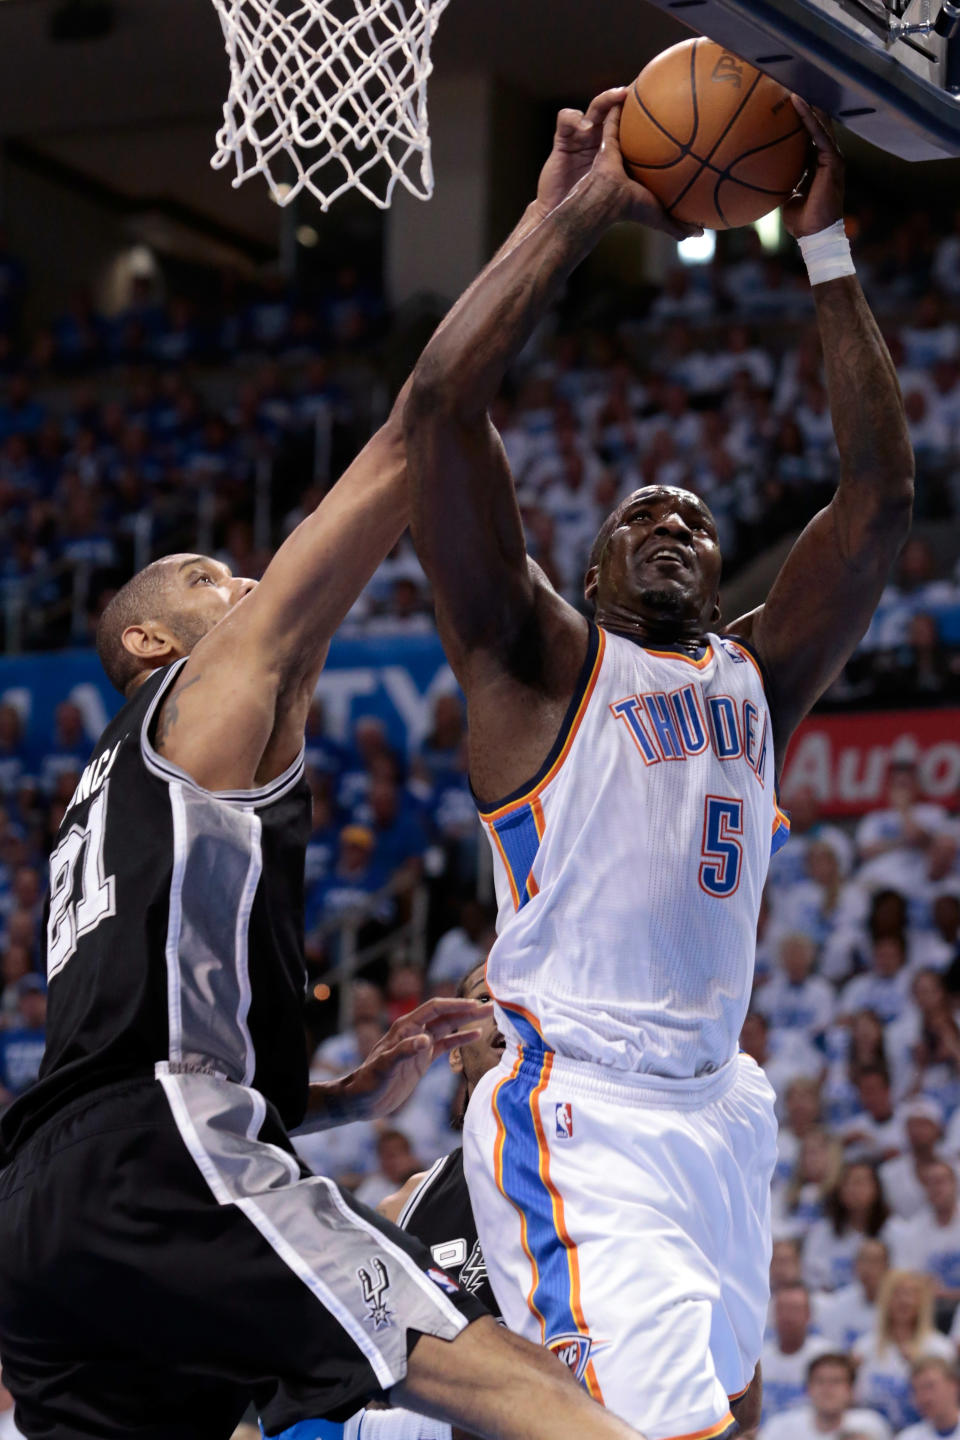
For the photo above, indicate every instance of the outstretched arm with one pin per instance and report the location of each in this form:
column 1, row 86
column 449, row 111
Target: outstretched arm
column 464, row 515
column 822, row 601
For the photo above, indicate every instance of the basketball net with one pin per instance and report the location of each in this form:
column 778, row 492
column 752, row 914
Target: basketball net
column 329, row 96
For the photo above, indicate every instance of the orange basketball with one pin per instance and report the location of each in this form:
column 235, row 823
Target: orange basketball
column 718, row 142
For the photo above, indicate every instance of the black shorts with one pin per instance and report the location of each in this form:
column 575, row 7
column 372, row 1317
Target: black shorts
column 165, row 1260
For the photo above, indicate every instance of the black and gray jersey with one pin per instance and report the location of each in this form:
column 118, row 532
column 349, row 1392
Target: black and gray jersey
column 174, row 932
column 439, row 1214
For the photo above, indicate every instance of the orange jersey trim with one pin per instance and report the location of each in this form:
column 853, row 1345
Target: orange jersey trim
column 498, row 1176
column 711, row 1430
column 537, row 790
column 560, row 1223
column 700, row 664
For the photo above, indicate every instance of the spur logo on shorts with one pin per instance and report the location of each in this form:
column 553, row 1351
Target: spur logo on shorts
column 573, row 1350
column 374, row 1291
column 565, row 1121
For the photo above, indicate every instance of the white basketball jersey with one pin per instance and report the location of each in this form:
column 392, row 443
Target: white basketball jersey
column 629, row 872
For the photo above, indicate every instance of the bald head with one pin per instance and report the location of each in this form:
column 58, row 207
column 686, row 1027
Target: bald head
column 613, row 519
column 151, row 597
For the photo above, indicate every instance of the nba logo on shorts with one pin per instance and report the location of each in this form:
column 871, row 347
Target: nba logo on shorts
column 565, row 1121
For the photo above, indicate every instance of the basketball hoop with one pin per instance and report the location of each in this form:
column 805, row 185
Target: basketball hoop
column 329, row 96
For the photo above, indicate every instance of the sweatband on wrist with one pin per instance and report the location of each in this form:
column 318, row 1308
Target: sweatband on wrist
column 395, row 1425
column 827, row 254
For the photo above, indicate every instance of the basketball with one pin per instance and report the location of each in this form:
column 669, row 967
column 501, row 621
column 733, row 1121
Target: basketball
column 717, row 141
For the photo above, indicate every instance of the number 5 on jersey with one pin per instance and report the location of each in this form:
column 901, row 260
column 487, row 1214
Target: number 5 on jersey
column 722, row 851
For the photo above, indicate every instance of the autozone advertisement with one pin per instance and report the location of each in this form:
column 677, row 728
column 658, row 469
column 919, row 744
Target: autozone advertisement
column 845, row 759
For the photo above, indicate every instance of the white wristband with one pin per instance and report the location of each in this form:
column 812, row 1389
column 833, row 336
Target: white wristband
column 827, row 254
column 394, row 1425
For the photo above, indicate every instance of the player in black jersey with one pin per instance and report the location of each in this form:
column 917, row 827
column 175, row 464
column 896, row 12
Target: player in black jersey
column 435, row 1208
column 164, row 1256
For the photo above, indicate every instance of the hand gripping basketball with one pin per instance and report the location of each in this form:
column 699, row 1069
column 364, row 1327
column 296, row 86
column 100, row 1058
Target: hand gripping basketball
column 818, row 201
column 636, row 202
column 575, row 144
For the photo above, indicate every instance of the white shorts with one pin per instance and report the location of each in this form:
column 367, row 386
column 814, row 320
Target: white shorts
column 625, row 1222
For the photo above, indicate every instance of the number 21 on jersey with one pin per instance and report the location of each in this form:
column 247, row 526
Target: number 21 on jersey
column 71, row 918
column 722, row 850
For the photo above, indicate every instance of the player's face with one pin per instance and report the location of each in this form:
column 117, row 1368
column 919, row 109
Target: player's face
column 662, row 561
column 482, row 1054
column 203, row 592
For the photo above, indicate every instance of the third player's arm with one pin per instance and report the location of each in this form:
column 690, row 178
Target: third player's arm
column 822, row 601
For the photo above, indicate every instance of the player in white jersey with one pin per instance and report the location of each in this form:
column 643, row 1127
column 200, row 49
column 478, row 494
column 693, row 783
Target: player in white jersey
column 619, row 1159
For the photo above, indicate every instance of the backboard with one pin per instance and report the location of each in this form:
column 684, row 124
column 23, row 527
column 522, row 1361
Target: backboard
column 862, row 60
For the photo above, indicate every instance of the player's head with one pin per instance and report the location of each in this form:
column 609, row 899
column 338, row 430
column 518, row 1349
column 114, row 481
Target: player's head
column 472, row 1061
column 657, row 559
column 162, row 613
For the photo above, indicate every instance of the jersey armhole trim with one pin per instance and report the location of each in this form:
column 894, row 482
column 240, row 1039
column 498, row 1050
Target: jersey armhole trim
column 165, row 769
column 432, row 1174
column 754, row 657
column 583, row 690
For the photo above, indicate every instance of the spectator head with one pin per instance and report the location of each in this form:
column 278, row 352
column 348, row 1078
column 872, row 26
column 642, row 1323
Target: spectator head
column 866, row 1040
column 830, row 1388
column 357, row 844
column 889, row 954
column 369, row 738
column 366, row 1002
column 11, row 726
column 903, row 787
column 940, row 1183
column 68, row 725
column 888, row 914
column 473, row 1059
column 904, row 1309
column 857, row 1202
column 942, row 856
column 873, row 1088
column 395, row 1156
column 870, row 1266
column 946, row 916
column 803, row 804
column 923, row 1120
column 802, row 1104
column 936, row 1391
column 15, row 963
column 916, row 566
column 26, row 888
column 797, row 954
column 791, row 1317
column 823, row 863
column 785, row 1267
column 929, row 993
column 753, row 1037
column 32, row 1002
column 819, row 1162
column 384, row 798
column 162, row 613
column 404, row 988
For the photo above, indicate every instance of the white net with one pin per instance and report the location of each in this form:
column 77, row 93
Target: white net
column 329, row 96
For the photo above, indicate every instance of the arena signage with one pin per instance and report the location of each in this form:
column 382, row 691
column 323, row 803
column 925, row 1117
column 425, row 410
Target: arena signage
column 845, row 759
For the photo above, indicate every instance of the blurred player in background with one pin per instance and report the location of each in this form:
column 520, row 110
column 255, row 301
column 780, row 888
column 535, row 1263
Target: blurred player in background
column 619, row 1159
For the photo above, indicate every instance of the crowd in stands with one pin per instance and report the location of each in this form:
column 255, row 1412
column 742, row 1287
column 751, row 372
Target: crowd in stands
column 215, row 423
column 125, row 438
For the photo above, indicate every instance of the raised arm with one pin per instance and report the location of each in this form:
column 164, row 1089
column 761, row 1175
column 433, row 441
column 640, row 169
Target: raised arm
column 822, row 601
column 236, row 715
column 464, row 515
